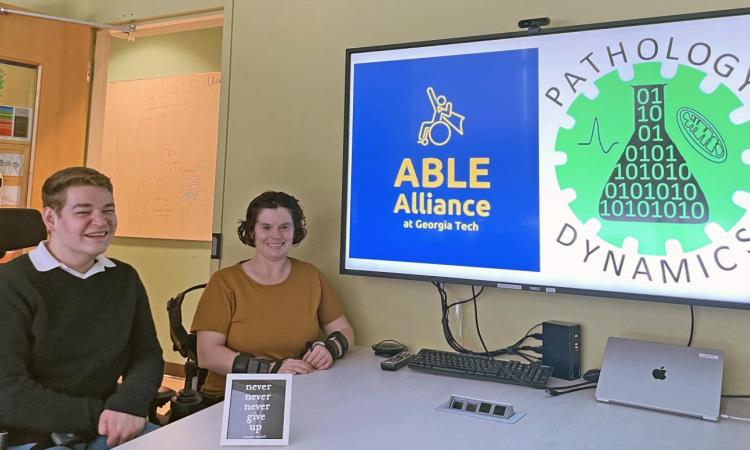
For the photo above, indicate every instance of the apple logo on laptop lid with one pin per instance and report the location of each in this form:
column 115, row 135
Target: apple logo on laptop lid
column 659, row 374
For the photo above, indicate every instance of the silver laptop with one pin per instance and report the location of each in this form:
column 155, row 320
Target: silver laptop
column 671, row 378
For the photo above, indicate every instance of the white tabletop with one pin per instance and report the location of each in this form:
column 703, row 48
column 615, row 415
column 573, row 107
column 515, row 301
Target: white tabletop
column 356, row 405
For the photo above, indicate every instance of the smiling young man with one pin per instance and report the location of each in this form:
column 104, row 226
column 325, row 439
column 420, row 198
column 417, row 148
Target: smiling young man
column 72, row 322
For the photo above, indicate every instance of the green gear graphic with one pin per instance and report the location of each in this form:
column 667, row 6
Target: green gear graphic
column 589, row 165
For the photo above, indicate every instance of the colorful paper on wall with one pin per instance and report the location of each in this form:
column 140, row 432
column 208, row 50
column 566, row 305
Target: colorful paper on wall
column 6, row 121
column 15, row 122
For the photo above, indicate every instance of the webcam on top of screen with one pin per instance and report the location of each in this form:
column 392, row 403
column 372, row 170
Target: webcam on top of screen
column 535, row 24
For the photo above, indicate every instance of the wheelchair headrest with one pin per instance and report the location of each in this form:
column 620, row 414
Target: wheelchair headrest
column 182, row 341
column 20, row 228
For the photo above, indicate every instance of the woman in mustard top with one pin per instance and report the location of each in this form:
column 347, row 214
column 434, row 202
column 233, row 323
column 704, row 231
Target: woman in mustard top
column 270, row 313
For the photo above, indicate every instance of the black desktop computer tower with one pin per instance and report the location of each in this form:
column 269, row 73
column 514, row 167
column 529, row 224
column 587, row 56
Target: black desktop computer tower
column 562, row 349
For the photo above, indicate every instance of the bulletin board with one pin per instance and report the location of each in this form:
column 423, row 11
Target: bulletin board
column 159, row 149
column 18, row 90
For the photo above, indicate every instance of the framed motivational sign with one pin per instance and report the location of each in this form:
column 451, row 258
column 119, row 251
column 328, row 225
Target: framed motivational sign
column 256, row 409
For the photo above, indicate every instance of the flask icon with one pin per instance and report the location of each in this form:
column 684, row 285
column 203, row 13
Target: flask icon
column 651, row 181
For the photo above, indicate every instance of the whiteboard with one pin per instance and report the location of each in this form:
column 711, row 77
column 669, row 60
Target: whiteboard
column 159, row 149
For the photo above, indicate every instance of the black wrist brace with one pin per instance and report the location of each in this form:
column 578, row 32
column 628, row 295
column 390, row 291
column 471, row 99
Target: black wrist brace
column 244, row 363
column 337, row 351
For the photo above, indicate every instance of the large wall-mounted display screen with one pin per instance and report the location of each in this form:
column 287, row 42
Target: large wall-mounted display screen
column 610, row 160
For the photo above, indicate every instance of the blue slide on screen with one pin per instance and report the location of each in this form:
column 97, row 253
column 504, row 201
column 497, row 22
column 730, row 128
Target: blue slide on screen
column 444, row 160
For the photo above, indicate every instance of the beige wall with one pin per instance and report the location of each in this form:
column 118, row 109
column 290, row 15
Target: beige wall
column 165, row 55
column 116, row 11
column 285, row 128
column 166, row 266
column 111, row 11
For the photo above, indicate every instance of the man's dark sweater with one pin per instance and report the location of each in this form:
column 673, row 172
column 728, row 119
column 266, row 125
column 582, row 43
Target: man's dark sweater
column 65, row 341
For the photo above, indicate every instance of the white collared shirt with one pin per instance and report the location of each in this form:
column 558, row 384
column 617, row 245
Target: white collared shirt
column 43, row 261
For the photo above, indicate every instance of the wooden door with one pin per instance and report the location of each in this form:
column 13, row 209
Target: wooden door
column 62, row 51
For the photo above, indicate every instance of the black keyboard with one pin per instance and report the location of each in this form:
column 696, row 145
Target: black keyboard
column 481, row 368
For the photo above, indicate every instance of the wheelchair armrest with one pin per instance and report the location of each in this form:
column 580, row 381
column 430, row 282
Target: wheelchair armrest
column 163, row 397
